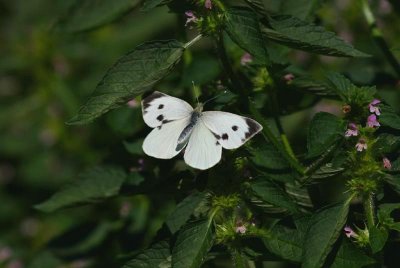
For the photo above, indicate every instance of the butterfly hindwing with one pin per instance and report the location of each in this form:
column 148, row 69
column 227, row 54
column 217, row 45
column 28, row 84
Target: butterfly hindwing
column 162, row 141
column 203, row 150
column 229, row 129
column 159, row 108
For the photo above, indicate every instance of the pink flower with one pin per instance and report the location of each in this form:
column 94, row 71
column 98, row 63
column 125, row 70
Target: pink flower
column 241, row 229
column 133, row 103
column 372, row 122
column 349, row 232
column 246, row 58
column 361, row 145
column 373, row 108
column 208, row 4
column 190, row 17
column 386, row 163
column 288, row 77
column 5, row 253
column 352, row 130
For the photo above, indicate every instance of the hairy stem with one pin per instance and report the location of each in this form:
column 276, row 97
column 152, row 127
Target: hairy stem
column 378, row 37
column 369, row 209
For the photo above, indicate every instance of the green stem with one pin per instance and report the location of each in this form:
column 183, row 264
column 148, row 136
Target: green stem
column 369, row 209
column 268, row 135
column 378, row 37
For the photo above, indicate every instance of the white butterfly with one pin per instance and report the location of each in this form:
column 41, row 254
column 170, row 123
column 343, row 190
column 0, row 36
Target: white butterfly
column 176, row 124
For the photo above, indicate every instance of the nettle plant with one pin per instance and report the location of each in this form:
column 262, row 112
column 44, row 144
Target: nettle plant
column 263, row 201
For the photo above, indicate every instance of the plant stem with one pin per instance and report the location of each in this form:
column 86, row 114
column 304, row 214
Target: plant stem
column 369, row 209
column 268, row 135
column 378, row 37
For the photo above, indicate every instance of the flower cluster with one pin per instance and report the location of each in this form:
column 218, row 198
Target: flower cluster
column 372, row 122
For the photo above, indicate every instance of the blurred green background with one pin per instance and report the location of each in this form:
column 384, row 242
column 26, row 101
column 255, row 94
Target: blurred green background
column 45, row 75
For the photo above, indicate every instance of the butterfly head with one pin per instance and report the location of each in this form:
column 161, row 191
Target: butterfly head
column 199, row 107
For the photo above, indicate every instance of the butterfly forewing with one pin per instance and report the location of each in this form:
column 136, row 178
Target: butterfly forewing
column 159, row 108
column 163, row 140
column 229, row 129
column 203, row 150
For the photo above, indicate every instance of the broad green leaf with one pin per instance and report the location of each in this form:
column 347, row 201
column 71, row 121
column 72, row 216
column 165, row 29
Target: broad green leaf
column 192, row 244
column 184, row 210
column 389, row 117
column 312, row 86
column 323, row 231
column 393, row 181
column 325, row 129
column 93, row 186
column 267, row 156
column 326, row 171
column 299, row 194
column 302, row 9
column 243, row 28
column 258, row 5
column 158, row 255
column 273, row 194
column 339, row 84
column 88, row 14
column 298, row 34
column 150, row 4
column 386, row 143
column 349, row 256
column 285, row 243
column 132, row 75
column 377, row 238
column 385, row 218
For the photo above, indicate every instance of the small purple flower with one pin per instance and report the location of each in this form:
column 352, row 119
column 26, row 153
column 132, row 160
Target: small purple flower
column 241, row 229
column 373, row 108
column 361, row 145
column 133, row 103
column 386, row 163
column 190, row 17
column 372, row 122
column 5, row 253
column 246, row 58
column 208, row 4
column 349, row 232
column 352, row 130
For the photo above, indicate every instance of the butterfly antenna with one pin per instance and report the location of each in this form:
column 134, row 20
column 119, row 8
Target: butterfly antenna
column 213, row 98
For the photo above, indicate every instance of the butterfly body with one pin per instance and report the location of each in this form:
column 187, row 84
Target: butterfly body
column 176, row 125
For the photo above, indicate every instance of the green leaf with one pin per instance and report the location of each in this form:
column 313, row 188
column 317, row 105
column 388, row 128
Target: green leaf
column 323, row 231
column 88, row 14
column 45, row 260
column 389, row 117
column 192, row 244
column 158, row 255
column 386, row 144
column 339, row 84
column 258, row 5
column 302, row 9
column 150, row 4
column 393, row 181
column 267, row 156
column 377, row 238
column 325, row 129
column 132, row 75
column 272, row 193
column 134, row 147
column 93, row 186
column 298, row 34
column 285, row 242
column 184, row 210
column 312, row 86
column 349, row 256
column 243, row 28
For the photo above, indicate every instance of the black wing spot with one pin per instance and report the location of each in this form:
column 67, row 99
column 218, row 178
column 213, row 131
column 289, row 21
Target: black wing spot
column 234, row 128
column 225, row 136
column 217, row 143
column 218, row 137
column 253, row 128
column 159, row 127
column 146, row 101
column 160, row 117
column 166, row 121
column 160, row 106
